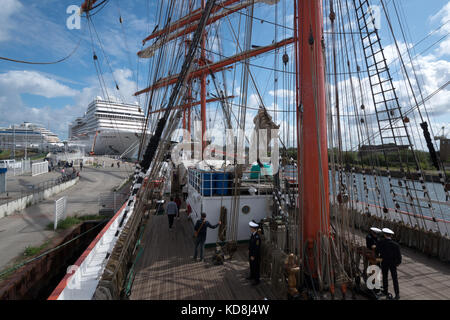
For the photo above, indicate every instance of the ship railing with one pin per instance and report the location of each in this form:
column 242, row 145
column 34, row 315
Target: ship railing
column 220, row 183
column 401, row 214
column 290, row 174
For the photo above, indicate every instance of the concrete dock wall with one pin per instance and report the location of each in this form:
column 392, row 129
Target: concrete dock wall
column 26, row 201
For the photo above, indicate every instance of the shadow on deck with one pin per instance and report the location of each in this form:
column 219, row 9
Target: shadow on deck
column 166, row 270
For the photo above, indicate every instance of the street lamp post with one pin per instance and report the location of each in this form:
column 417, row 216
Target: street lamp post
column 14, row 141
column 26, row 141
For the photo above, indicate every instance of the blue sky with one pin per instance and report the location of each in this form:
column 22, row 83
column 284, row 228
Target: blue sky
column 55, row 94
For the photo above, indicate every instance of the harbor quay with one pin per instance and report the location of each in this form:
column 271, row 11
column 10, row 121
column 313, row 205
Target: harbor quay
column 29, row 227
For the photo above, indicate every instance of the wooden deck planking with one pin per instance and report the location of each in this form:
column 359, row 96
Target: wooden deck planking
column 419, row 277
column 166, row 270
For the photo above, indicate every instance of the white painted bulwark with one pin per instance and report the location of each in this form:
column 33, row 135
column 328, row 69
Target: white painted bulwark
column 87, row 271
column 258, row 204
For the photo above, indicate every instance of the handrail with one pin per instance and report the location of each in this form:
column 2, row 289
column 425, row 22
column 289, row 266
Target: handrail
column 405, row 212
column 207, row 185
column 42, row 186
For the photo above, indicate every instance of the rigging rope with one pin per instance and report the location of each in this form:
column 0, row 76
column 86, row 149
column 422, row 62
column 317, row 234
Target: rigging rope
column 44, row 63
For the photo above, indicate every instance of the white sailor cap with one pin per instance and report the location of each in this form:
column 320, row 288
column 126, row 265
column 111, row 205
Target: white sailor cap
column 388, row 231
column 253, row 225
column 375, row 230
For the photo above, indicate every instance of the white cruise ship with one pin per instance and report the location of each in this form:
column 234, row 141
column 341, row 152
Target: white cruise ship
column 28, row 135
column 109, row 128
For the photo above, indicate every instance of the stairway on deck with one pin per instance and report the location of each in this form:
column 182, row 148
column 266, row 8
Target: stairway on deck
column 166, row 270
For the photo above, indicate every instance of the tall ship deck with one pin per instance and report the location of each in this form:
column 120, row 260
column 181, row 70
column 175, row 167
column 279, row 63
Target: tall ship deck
column 313, row 151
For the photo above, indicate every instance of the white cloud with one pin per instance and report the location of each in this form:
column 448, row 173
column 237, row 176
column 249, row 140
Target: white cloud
column 9, row 8
column 32, row 82
column 15, row 83
column 14, row 110
column 443, row 16
column 283, row 93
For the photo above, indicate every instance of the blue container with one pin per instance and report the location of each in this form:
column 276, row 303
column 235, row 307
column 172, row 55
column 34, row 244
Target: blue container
column 268, row 170
column 255, row 172
column 207, row 183
column 221, row 183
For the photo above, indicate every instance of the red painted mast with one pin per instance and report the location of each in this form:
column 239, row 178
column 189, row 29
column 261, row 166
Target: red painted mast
column 311, row 114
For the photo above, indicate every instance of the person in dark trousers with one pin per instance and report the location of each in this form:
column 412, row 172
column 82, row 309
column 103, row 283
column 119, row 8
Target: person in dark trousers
column 389, row 252
column 201, row 227
column 371, row 244
column 254, row 253
column 81, row 166
column 172, row 211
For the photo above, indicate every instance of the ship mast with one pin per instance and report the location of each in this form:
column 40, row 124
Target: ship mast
column 203, row 86
column 312, row 153
column 187, row 25
column 311, row 111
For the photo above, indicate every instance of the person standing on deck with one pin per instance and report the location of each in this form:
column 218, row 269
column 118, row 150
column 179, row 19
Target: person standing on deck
column 389, row 251
column 372, row 238
column 371, row 244
column 201, row 227
column 254, row 253
column 172, row 211
column 81, row 165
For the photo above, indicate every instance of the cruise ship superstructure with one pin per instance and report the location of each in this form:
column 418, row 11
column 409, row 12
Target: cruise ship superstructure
column 27, row 134
column 109, row 127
